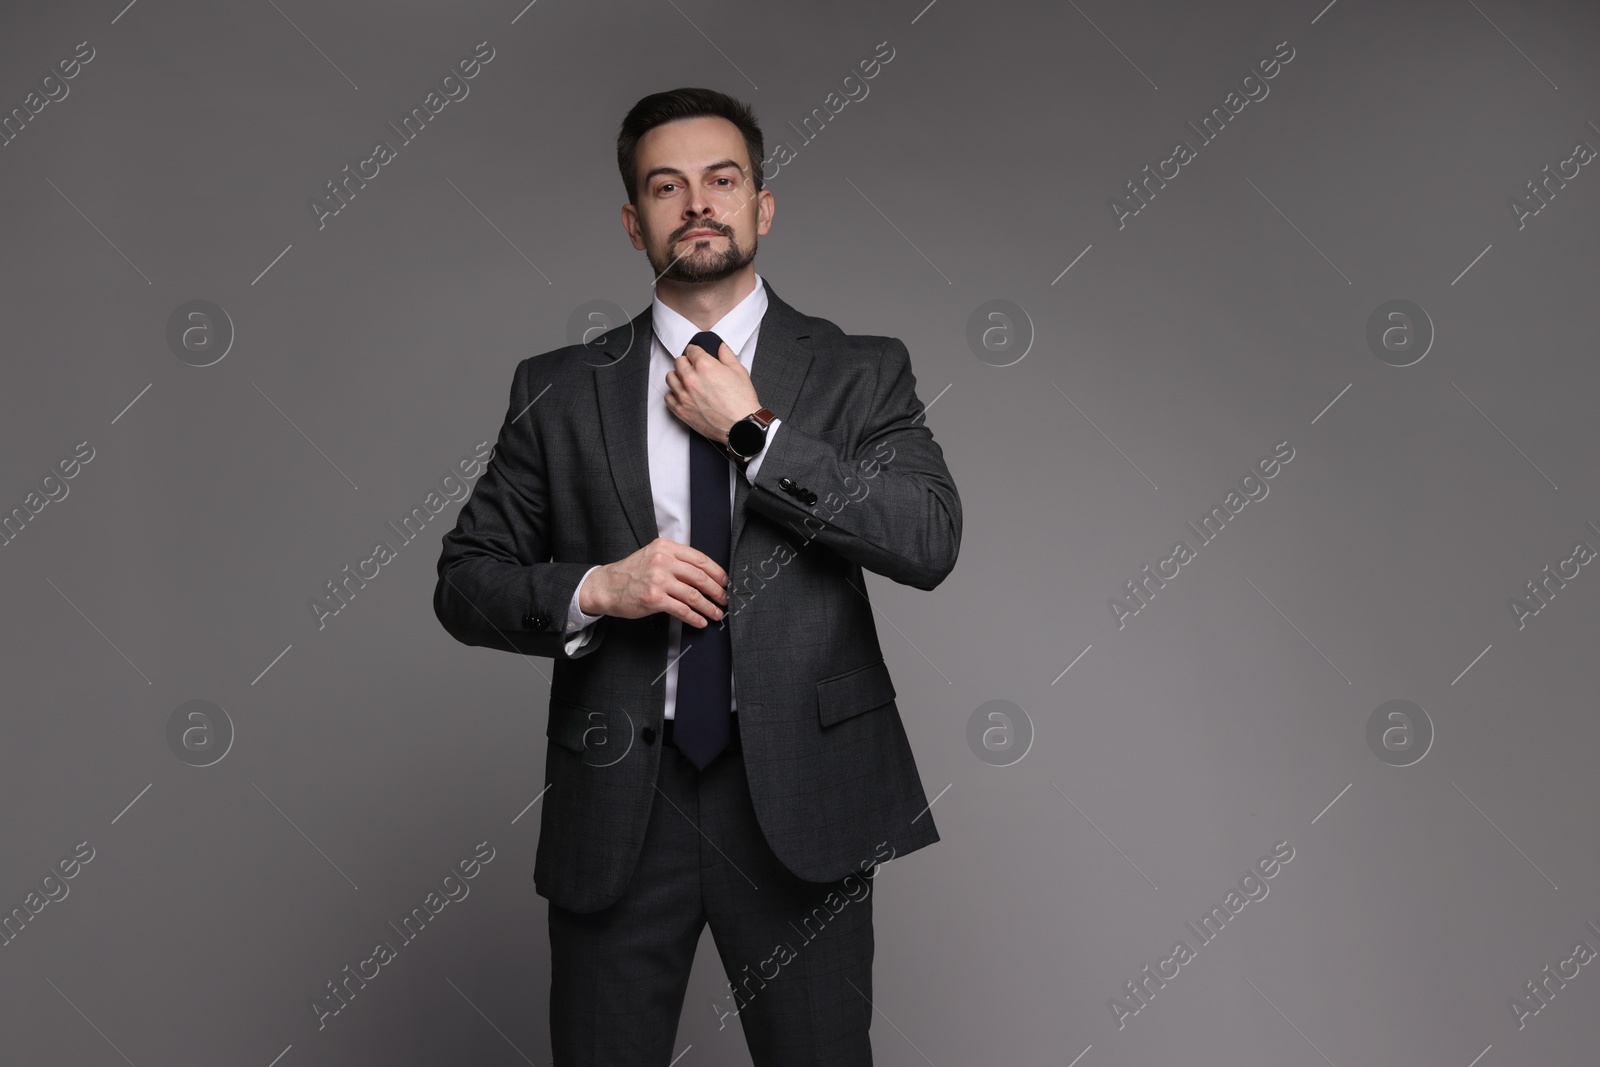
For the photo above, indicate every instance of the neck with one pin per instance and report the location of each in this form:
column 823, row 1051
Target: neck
column 705, row 303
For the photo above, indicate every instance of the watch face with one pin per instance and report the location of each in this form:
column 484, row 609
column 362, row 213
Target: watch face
column 746, row 438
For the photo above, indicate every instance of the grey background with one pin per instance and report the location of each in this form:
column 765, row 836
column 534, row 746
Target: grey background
column 1229, row 715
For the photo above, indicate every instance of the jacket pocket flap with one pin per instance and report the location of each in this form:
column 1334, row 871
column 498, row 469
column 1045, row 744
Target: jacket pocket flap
column 567, row 725
column 853, row 692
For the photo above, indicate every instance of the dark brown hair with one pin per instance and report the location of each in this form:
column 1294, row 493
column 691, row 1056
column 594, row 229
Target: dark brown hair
column 659, row 108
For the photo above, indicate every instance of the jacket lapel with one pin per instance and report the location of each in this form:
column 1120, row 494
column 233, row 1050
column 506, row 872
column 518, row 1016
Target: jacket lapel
column 621, row 381
column 783, row 356
column 622, row 368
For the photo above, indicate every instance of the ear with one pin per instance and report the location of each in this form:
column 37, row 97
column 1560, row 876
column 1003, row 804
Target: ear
column 630, row 222
column 766, row 207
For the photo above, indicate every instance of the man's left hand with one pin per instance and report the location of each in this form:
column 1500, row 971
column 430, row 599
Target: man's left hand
column 710, row 392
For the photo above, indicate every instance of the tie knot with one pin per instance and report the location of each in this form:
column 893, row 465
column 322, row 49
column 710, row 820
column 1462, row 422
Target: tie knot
column 708, row 341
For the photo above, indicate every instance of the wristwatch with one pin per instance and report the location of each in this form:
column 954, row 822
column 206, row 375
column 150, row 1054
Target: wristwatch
column 748, row 436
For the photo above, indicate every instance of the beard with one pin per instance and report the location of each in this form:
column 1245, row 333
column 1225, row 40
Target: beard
column 699, row 265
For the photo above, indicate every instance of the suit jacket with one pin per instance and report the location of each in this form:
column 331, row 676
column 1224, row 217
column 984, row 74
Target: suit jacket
column 852, row 479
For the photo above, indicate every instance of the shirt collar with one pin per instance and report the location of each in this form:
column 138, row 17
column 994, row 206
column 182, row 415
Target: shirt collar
column 675, row 332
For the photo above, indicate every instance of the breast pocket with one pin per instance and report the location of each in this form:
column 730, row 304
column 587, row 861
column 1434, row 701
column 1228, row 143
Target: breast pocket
column 853, row 692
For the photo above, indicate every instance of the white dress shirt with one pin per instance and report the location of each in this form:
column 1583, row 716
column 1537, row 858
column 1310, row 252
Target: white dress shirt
column 668, row 436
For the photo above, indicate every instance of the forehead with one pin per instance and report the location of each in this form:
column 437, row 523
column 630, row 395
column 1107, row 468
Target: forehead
column 689, row 145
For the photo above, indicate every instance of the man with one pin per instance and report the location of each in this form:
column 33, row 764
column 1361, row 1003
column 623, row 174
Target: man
column 678, row 513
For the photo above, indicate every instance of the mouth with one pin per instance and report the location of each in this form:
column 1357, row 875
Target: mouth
column 700, row 234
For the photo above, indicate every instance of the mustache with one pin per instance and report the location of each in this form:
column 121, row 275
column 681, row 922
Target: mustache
column 720, row 229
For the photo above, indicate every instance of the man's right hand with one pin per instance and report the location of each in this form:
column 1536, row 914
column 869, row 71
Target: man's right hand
column 662, row 576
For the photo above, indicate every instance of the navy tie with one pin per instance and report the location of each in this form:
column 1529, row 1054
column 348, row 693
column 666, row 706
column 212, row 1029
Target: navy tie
column 702, row 717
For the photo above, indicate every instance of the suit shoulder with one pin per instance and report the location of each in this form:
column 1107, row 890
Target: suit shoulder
column 568, row 359
column 556, row 380
column 829, row 341
column 567, row 367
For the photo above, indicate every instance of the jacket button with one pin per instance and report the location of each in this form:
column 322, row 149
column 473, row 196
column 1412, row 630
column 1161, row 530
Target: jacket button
column 648, row 734
column 540, row 621
column 811, row 498
column 785, row 484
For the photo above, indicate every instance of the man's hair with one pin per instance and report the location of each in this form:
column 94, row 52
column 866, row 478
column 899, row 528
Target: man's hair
column 659, row 108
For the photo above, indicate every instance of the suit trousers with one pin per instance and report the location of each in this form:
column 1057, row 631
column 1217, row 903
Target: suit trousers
column 798, row 954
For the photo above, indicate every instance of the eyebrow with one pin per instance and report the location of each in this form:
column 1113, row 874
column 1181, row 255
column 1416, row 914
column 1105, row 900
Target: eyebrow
column 675, row 172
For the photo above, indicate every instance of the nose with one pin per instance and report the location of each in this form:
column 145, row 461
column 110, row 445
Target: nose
column 699, row 207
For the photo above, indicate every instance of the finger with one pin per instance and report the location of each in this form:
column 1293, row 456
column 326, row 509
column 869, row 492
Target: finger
column 696, row 602
column 683, row 612
column 708, row 566
column 686, row 605
column 692, row 576
column 723, row 354
column 696, row 576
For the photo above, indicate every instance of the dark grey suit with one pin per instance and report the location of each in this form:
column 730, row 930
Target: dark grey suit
column 852, row 479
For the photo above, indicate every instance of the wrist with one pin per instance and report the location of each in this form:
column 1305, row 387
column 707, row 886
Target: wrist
column 747, row 436
column 589, row 594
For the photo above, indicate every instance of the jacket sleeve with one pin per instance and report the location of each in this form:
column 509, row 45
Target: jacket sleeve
column 498, row 586
column 891, row 506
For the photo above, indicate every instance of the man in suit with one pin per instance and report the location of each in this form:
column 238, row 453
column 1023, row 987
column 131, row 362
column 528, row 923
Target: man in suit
column 678, row 513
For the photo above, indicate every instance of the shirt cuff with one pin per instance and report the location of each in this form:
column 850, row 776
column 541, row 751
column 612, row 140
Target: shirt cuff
column 576, row 618
column 580, row 624
column 754, row 465
column 578, row 640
